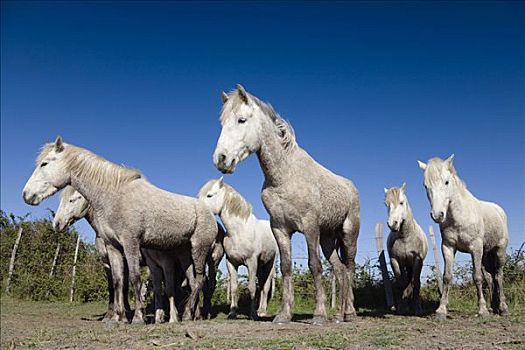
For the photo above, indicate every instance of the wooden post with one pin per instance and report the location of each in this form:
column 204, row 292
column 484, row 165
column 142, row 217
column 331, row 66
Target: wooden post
column 437, row 269
column 54, row 263
column 382, row 265
column 72, row 290
column 12, row 261
column 333, row 299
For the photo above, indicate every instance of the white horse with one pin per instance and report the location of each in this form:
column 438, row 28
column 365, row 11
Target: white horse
column 249, row 242
column 132, row 214
column 162, row 264
column 471, row 226
column 407, row 248
column 298, row 193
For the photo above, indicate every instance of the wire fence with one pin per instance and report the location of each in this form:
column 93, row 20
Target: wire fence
column 44, row 263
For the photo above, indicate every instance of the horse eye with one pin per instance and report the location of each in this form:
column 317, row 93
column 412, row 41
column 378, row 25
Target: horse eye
column 446, row 183
column 43, row 164
column 242, row 120
column 401, row 203
column 209, row 195
column 71, row 200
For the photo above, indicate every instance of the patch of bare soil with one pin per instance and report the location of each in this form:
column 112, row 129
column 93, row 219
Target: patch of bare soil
column 65, row 326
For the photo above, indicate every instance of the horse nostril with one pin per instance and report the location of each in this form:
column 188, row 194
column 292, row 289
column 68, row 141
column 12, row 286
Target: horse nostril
column 222, row 157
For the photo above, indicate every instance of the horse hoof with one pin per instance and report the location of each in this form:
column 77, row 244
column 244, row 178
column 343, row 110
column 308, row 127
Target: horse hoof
column 319, row 320
column 232, row 316
column 484, row 315
column 441, row 316
column 281, row 320
column 138, row 320
column 254, row 317
column 262, row 314
column 337, row 319
column 350, row 317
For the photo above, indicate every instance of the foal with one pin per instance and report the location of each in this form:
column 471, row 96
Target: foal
column 249, row 242
column 407, row 248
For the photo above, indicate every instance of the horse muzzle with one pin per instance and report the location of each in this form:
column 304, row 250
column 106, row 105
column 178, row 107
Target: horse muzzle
column 224, row 164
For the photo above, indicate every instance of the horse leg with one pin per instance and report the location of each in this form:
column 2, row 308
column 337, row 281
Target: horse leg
column 448, row 257
column 211, row 283
column 156, row 273
column 487, row 269
column 500, row 257
column 283, row 239
column 312, row 235
column 111, row 292
column 251, row 264
column 132, row 254
column 416, row 282
column 348, row 252
column 265, row 280
column 476, row 254
column 398, row 282
column 232, row 272
column 328, row 245
column 116, row 264
column 198, row 257
column 168, row 268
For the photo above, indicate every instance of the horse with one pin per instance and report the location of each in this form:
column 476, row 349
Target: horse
column 299, row 194
column 132, row 214
column 162, row 264
column 468, row 225
column 407, row 248
column 249, row 242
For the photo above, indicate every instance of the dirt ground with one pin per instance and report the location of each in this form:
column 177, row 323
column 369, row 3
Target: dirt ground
column 76, row 326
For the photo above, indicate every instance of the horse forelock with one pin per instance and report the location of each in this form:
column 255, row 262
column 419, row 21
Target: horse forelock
column 284, row 129
column 235, row 204
column 207, row 186
column 393, row 195
column 434, row 172
column 87, row 165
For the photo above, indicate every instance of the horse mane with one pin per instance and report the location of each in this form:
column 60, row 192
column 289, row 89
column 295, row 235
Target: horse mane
column 284, row 129
column 91, row 167
column 235, row 204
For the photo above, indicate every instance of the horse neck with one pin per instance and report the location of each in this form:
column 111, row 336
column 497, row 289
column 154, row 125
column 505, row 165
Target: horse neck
column 408, row 226
column 272, row 155
column 461, row 200
column 96, row 195
column 236, row 227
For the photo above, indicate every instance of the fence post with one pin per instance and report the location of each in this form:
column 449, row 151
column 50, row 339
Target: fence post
column 437, row 270
column 54, row 263
column 382, row 265
column 12, row 261
column 72, row 290
column 333, row 299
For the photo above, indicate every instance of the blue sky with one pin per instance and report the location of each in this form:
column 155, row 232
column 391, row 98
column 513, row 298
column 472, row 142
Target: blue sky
column 370, row 87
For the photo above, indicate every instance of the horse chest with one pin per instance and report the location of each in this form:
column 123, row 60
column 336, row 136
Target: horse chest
column 463, row 238
column 282, row 207
column 402, row 251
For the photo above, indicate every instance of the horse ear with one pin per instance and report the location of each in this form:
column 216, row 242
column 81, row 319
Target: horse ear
column 385, row 189
column 221, row 181
column 59, row 144
column 404, row 187
column 422, row 165
column 449, row 160
column 242, row 93
column 224, row 97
